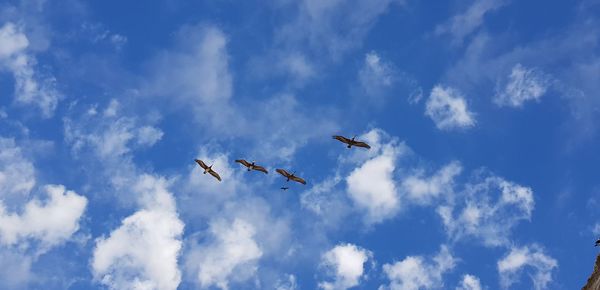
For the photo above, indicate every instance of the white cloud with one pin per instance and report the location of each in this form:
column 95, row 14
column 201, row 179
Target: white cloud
column 371, row 186
column 17, row 176
column 376, row 76
column 30, row 88
column 195, row 76
column 290, row 284
column 469, row 282
column 316, row 25
column 51, row 222
column 596, row 229
column 424, row 191
column 414, row 272
column 196, row 73
column 109, row 135
column 15, row 270
column 463, row 24
column 231, row 255
column 484, row 218
column 142, row 253
column 533, row 257
column 522, row 85
column 347, row 264
column 448, row 109
column 148, row 135
column 13, row 42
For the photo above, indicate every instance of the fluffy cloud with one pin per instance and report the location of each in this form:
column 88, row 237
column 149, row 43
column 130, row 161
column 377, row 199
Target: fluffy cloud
column 523, row 85
column 423, row 191
column 346, row 263
column 30, row 88
column 463, row 24
column 371, row 186
column 51, row 222
column 414, row 272
column 142, row 253
column 532, row 257
column 231, row 255
column 30, row 226
column 491, row 208
column 448, row 109
column 469, row 282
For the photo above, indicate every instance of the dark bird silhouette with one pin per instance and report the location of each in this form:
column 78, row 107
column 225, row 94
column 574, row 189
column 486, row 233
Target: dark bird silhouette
column 290, row 176
column 351, row 142
column 251, row 166
column 597, row 243
column 208, row 169
column 284, row 188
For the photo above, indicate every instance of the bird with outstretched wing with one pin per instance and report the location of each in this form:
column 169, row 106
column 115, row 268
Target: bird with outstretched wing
column 290, row 176
column 351, row 142
column 208, row 169
column 251, row 166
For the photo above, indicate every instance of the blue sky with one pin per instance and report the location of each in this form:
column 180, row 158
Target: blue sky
column 483, row 117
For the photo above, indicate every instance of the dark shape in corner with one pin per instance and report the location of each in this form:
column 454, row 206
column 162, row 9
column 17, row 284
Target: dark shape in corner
column 351, row 142
column 251, row 166
column 208, row 169
column 290, row 176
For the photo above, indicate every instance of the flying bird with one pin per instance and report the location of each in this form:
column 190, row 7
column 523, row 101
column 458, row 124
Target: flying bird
column 290, row 176
column 208, row 169
column 351, row 142
column 251, row 166
column 284, row 188
column 597, row 243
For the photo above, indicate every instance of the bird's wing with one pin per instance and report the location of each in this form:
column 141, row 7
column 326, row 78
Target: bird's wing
column 216, row 175
column 361, row 144
column 283, row 172
column 243, row 162
column 341, row 139
column 298, row 179
column 260, row 168
column 201, row 163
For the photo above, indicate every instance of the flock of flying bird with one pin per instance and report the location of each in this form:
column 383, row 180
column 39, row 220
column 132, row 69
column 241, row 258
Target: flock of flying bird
column 289, row 176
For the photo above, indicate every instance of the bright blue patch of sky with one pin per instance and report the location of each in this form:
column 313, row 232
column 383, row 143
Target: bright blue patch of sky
column 286, row 77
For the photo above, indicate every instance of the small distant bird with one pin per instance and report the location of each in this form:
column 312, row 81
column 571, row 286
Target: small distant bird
column 284, row 188
column 251, row 166
column 351, row 142
column 208, row 169
column 597, row 243
column 290, row 176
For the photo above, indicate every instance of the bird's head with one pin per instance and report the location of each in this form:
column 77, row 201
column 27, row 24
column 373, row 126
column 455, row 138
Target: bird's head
column 353, row 137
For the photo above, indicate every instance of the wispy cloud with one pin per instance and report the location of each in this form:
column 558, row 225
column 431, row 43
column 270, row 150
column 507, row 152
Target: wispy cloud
column 448, row 109
column 31, row 88
column 530, row 257
column 491, row 207
column 463, row 24
column 415, row 272
column 523, row 84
